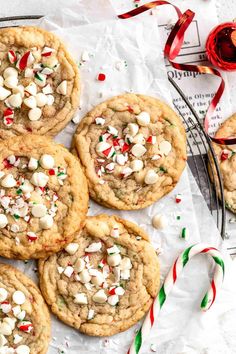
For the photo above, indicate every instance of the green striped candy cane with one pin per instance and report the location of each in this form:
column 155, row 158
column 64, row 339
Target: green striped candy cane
column 169, row 282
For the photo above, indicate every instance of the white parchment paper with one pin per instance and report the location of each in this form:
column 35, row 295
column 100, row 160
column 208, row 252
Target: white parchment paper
column 181, row 327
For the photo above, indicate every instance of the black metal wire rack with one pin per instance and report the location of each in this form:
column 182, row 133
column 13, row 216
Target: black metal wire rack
column 201, row 165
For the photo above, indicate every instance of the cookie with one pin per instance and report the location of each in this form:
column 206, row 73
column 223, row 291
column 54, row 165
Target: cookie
column 24, row 318
column 105, row 280
column 43, row 197
column 39, row 82
column 226, row 156
column 133, row 150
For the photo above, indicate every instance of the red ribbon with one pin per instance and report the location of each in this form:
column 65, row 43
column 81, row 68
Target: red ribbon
column 172, row 49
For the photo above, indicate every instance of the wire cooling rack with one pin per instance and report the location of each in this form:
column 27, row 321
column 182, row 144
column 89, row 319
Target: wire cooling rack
column 200, row 164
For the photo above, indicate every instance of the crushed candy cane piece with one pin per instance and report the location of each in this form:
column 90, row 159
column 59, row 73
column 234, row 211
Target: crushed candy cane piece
column 178, row 198
column 101, row 77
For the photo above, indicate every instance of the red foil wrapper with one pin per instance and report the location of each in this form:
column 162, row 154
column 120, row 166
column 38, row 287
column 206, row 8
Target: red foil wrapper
column 221, row 46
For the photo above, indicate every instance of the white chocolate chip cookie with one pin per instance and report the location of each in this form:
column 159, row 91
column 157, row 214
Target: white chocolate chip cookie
column 39, row 82
column 105, row 284
column 133, row 150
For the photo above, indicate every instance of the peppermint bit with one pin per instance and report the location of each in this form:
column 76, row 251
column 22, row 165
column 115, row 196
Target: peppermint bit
column 184, row 233
column 178, row 198
column 101, row 77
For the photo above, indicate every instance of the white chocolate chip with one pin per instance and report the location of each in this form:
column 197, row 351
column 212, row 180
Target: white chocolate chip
column 136, row 165
column 113, row 250
column 114, row 260
column 30, row 102
column 10, row 72
column 125, row 264
column 165, row 147
column 35, row 114
column 133, row 129
column 143, row 118
column 3, row 340
column 3, row 221
column 41, row 99
column 84, row 276
column 17, row 339
column 120, row 291
column 39, row 179
column 29, row 73
column 159, row 221
column 46, row 222
column 3, row 293
column 10, row 321
column 151, row 177
column 8, row 181
column 39, row 210
column 18, row 297
column 4, row 93
column 90, row 314
column 19, row 89
column 138, row 150
column 113, row 300
column 81, row 299
column 72, row 248
column 11, row 82
column 27, row 187
column 100, row 147
column 47, row 89
column 121, row 159
column 68, row 271
column 15, row 100
column 94, row 247
column 23, row 349
column 125, row 274
column 5, row 329
column 50, row 100
column 100, row 121
column 47, row 161
column 60, row 270
column 100, row 297
column 62, row 88
column 127, row 171
column 33, row 164
column 79, row 265
column 31, row 89
column 98, row 279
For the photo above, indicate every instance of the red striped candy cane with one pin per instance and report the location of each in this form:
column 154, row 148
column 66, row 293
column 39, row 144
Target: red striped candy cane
column 172, row 49
column 169, row 282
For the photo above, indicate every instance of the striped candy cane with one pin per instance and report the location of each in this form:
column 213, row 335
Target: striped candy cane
column 169, row 282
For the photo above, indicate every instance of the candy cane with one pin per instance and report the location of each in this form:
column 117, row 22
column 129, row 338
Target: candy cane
column 169, row 282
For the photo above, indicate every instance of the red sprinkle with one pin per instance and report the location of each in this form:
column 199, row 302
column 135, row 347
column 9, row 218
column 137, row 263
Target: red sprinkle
column 101, row 77
column 29, row 129
column 130, row 109
column 51, row 172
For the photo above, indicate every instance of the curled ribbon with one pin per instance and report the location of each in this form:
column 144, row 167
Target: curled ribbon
column 172, row 49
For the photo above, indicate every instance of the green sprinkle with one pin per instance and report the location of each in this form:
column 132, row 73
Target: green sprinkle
column 162, row 169
column 100, row 138
column 16, row 216
column 178, row 217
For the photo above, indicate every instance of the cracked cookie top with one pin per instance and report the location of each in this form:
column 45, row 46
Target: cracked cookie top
column 133, row 150
column 43, row 197
column 39, row 82
column 105, row 280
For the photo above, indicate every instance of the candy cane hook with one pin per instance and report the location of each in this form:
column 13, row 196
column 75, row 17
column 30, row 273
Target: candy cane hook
column 169, row 282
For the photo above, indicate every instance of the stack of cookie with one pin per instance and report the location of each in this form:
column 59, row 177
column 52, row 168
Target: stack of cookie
column 98, row 274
